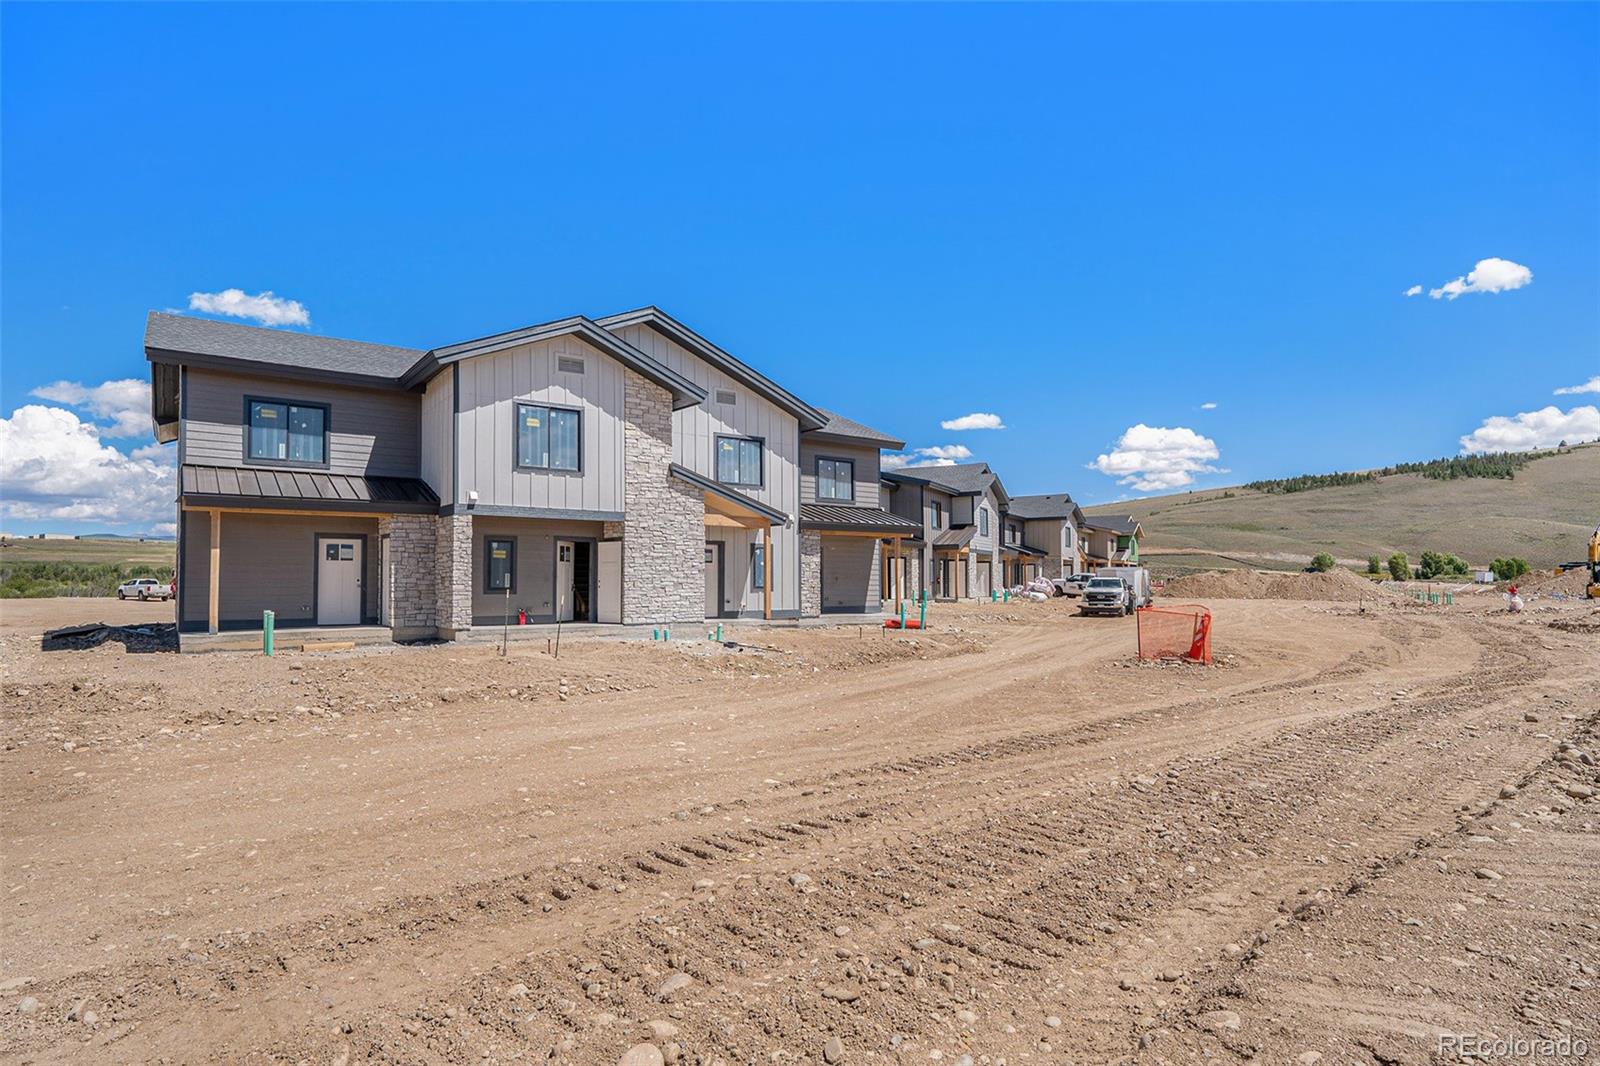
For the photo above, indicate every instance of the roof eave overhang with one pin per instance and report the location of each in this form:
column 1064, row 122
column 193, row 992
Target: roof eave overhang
column 228, row 364
column 685, row 393
column 732, row 496
column 881, row 443
column 809, row 417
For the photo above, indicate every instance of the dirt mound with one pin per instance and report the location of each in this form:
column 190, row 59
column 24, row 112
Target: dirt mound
column 1573, row 583
column 1255, row 585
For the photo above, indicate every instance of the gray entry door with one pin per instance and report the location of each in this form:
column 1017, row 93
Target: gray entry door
column 713, row 580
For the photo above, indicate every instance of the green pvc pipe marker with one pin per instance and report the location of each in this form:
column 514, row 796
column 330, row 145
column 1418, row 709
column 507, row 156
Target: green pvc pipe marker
column 922, row 622
column 268, row 622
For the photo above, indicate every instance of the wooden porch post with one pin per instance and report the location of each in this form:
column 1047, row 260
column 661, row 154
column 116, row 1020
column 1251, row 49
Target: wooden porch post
column 899, row 578
column 216, row 569
column 766, row 571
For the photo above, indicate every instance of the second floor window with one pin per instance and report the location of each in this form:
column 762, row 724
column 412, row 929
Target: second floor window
column 739, row 461
column 983, row 521
column 547, row 438
column 836, row 479
column 938, row 514
column 288, row 432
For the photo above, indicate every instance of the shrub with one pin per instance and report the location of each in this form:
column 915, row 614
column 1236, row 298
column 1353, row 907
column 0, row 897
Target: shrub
column 1509, row 569
column 1374, row 565
column 43, row 580
column 1322, row 562
column 1399, row 566
column 1441, row 564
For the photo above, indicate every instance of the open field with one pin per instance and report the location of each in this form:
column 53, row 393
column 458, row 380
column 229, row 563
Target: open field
column 117, row 552
column 1545, row 515
column 1002, row 838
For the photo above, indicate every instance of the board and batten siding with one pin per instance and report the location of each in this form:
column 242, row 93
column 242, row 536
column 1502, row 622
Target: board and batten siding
column 865, row 458
column 694, row 433
column 490, row 386
column 438, row 435
column 370, row 431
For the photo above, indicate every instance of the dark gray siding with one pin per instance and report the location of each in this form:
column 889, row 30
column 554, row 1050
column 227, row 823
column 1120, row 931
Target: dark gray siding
column 535, row 565
column 371, row 431
column 269, row 562
column 866, row 470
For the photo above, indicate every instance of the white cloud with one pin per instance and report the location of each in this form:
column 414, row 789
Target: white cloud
column 895, row 462
column 1415, row 290
column 53, row 465
column 124, row 402
column 976, row 420
column 946, row 451
column 265, row 308
column 1151, row 458
column 1524, row 432
column 1592, row 385
column 1490, row 275
column 1208, row 407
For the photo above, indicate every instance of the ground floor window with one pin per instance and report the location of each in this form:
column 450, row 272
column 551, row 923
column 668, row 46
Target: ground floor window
column 758, row 566
column 500, row 564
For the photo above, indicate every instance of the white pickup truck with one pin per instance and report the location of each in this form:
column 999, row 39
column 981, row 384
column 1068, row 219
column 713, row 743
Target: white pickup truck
column 144, row 588
column 1119, row 590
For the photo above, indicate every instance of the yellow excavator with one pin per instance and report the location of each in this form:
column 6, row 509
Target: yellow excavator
column 1594, row 565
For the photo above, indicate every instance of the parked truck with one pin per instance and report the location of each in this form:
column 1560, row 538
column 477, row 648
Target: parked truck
column 1117, row 590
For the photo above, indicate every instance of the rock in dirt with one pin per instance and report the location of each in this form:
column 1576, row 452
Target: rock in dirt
column 1218, row 1021
column 660, row 1029
column 841, row 993
column 28, row 1005
column 674, row 984
column 833, row 1050
column 1483, row 873
column 1577, row 791
column 642, row 1055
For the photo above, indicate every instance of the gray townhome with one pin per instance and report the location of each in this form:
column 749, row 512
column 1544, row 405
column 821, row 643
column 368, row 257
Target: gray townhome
column 958, row 555
column 614, row 470
column 1043, row 537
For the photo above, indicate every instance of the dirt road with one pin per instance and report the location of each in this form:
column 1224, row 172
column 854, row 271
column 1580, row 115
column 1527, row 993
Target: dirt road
column 1000, row 839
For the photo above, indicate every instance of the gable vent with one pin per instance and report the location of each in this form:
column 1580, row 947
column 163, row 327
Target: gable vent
column 727, row 397
column 569, row 364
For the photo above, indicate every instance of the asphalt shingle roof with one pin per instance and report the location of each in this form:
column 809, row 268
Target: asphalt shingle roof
column 204, row 337
column 839, row 426
column 1124, row 526
column 1051, row 505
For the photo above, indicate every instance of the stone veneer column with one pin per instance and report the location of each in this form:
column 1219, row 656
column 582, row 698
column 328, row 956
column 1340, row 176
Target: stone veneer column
column 913, row 575
column 969, row 584
column 409, row 587
column 663, row 525
column 811, row 573
column 453, row 575
column 997, row 570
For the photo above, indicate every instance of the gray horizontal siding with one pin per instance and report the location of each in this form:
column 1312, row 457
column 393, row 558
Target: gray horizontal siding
column 371, row 431
column 866, row 470
column 269, row 562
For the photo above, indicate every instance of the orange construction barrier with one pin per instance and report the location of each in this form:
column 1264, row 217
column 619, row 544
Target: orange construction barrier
column 1175, row 631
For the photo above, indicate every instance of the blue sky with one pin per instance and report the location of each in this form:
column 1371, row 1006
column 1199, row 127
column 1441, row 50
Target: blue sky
column 1082, row 219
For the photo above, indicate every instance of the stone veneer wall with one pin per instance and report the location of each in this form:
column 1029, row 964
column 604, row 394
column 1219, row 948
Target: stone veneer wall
column 997, row 570
column 914, row 586
column 663, row 526
column 409, row 587
column 811, row 573
column 453, row 575
column 969, row 583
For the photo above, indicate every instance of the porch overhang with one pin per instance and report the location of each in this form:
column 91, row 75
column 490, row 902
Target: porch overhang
column 222, row 488
column 954, row 540
column 727, row 506
column 847, row 520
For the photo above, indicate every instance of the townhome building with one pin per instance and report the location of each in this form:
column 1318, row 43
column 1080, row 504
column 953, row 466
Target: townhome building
column 959, row 507
column 1112, row 540
column 617, row 470
column 1049, row 529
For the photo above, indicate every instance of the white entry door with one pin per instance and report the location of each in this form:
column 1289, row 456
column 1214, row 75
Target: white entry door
column 564, row 550
column 609, row 580
column 713, row 580
column 338, row 581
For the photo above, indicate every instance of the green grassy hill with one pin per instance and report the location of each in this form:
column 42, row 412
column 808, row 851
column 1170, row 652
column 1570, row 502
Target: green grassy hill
column 1544, row 514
